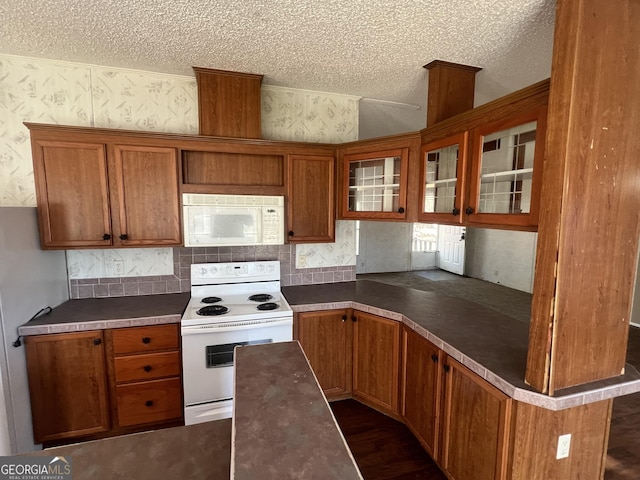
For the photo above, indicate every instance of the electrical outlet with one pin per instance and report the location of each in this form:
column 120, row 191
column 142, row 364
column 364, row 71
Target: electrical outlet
column 564, row 442
column 302, row 261
column 118, row 268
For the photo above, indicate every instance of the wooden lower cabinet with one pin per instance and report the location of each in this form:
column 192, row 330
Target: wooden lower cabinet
column 353, row 353
column 327, row 340
column 421, row 386
column 376, row 361
column 93, row 384
column 67, row 384
column 475, row 427
column 145, row 370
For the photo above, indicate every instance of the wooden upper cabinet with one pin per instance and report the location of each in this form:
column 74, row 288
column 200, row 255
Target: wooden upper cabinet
column 96, row 190
column 476, row 423
column 72, row 193
column 443, row 170
column 147, row 195
column 229, row 103
column 506, row 170
column 67, row 385
column 375, row 184
column 311, row 205
column 376, row 357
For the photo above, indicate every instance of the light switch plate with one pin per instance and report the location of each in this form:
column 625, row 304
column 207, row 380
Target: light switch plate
column 564, row 443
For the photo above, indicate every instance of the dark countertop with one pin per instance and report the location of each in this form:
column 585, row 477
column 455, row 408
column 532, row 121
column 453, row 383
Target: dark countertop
column 198, row 452
column 282, row 425
column 491, row 344
column 111, row 312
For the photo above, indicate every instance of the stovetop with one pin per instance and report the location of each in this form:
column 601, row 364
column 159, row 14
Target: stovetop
column 226, row 292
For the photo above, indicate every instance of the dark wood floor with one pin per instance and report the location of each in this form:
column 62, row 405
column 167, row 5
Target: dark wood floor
column 384, row 448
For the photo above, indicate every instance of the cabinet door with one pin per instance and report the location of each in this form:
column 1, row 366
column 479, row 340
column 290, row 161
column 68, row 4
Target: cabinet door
column 476, row 426
column 421, row 389
column 506, row 173
column 67, row 385
column 73, row 196
column 147, row 195
column 375, row 184
column 376, row 357
column 311, row 209
column 443, row 174
column 326, row 338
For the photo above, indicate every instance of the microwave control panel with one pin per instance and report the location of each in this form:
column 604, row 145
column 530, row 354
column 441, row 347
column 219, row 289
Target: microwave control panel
column 272, row 225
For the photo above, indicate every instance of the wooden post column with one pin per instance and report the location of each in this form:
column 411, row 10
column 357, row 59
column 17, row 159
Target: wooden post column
column 451, row 90
column 590, row 204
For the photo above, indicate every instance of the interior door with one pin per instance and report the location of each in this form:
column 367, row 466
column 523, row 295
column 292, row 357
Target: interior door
column 451, row 248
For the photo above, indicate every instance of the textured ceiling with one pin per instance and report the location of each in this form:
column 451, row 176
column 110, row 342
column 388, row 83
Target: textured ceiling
column 371, row 48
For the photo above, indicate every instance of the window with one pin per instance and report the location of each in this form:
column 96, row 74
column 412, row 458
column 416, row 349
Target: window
column 425, row 237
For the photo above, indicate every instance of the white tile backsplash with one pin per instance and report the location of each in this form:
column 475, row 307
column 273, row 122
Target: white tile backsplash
column 122, row 262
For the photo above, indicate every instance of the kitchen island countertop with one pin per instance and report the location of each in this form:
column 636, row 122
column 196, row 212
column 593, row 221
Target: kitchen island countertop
column 198, row 452
column 283, row 427
column 491, row 344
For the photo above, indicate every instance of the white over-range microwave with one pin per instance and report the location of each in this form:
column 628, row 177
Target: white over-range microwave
column 231, row 220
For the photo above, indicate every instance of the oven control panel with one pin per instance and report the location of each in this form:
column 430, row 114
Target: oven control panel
column 234, row 272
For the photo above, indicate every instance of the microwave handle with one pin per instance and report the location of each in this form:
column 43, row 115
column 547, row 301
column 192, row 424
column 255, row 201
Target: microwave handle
column 229, row 327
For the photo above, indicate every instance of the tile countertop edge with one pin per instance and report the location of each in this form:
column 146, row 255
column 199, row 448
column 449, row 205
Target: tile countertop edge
column 27, row 330
column 519, row 394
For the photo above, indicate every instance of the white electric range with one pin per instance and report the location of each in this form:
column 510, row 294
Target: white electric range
column 232, row 304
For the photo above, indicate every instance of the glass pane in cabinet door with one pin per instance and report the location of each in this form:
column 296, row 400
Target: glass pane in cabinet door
column 374, row 185
column 441, row 168
column 507, row 170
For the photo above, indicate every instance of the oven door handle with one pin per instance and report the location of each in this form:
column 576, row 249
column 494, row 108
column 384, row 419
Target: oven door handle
column 202, row 329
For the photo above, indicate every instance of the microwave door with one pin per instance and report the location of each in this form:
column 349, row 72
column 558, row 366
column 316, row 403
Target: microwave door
column 223, row 226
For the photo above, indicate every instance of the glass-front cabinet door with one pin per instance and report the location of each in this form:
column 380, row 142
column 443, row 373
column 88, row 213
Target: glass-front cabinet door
column 506, row 170
column 442, row 186
column 375, row 184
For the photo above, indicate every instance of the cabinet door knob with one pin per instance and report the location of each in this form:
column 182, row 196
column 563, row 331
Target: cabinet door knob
column 147, row 368
column 148, row 403
column 97, row 341
column 434, row 357
column 106, row 236
column 468, row 210
column 146, row 340
column 354, row 318
column 455, row 211
column 401, row 210
column 291, row 233
column 446, row 368
column 124, row 236
column 344, row 318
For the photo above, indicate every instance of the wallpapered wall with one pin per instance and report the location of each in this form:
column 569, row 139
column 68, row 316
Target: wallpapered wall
column 47, row 91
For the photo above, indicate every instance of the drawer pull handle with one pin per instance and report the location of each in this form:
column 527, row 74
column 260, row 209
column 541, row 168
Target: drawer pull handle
column 146, row 340
column 148, row 403
column 147, row 368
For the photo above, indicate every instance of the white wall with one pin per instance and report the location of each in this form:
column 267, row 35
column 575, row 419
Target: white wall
column 384, row 247
column 501, row 256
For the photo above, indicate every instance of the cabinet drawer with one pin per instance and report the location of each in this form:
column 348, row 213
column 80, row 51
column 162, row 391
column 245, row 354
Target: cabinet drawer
column 146, row 402
column 145, row 339
column 147, row 367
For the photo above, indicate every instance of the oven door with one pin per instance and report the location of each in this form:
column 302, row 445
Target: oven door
column 207, row 355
